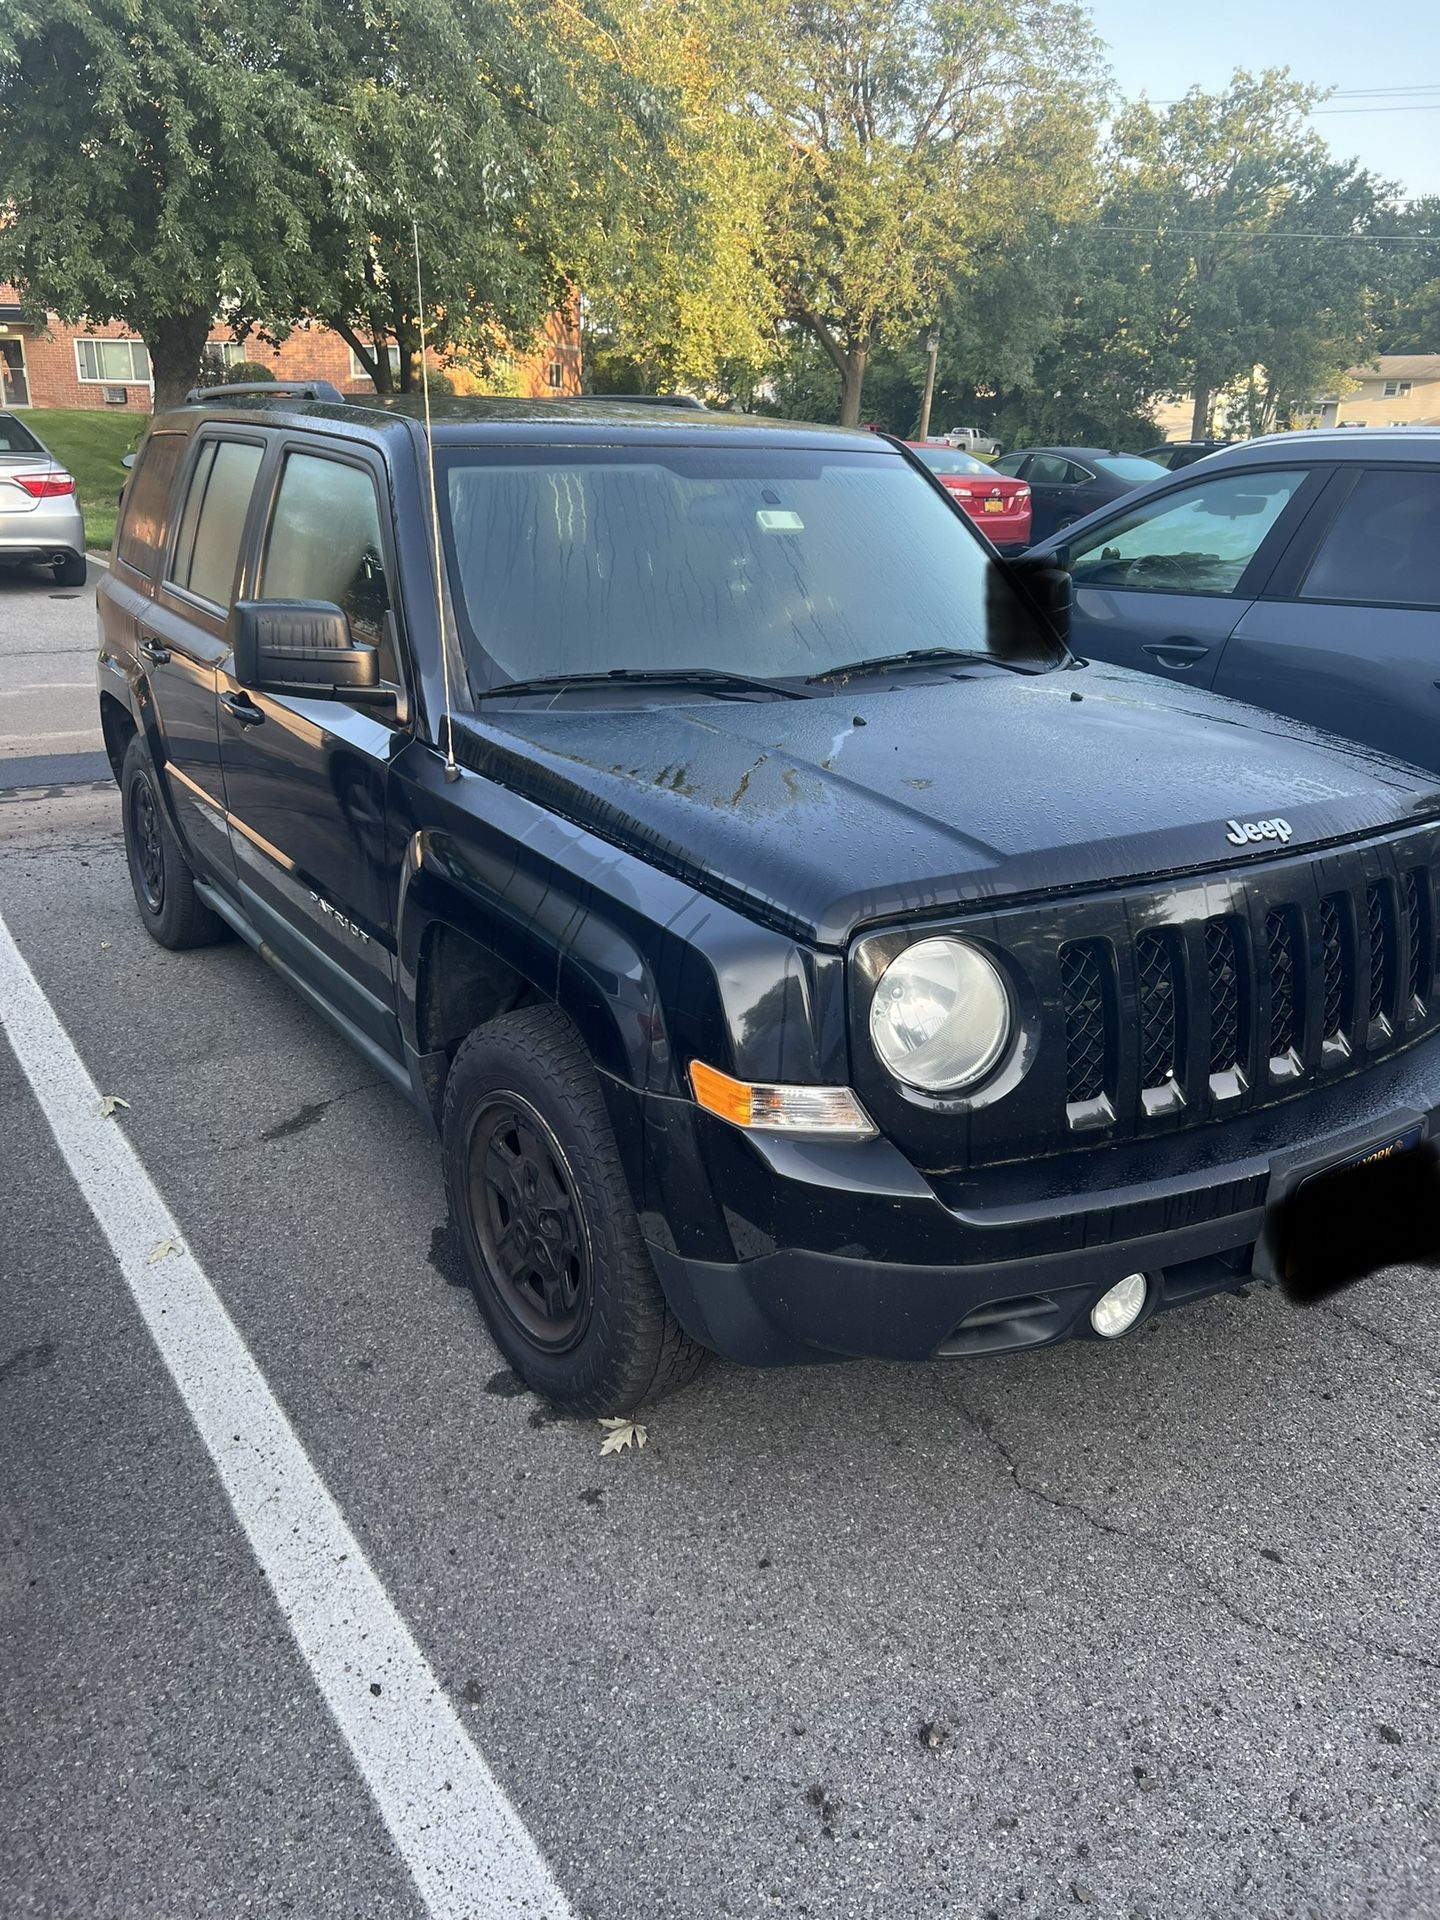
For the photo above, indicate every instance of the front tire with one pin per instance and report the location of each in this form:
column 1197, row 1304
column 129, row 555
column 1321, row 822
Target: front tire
column 160, row 877
column 542, row 1210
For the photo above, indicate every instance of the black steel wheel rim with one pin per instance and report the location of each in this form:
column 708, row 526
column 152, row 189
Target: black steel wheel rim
column 147, row 851
column 528, row 1223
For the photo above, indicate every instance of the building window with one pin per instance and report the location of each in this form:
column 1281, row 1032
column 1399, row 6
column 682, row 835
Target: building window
column 554, row 376
column 112, row 362
column 1397, row 389
column 359, row 371
column 218, row 356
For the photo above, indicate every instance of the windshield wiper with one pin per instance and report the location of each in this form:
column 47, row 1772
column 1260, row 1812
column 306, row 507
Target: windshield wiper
column 923, row 656
column 718, row 679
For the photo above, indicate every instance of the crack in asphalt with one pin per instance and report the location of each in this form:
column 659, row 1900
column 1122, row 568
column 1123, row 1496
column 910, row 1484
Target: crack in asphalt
column 1389, row 1340
column 1060, row 1504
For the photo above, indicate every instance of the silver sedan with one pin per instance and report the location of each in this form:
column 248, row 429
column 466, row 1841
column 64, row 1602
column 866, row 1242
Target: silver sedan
column 39, row 514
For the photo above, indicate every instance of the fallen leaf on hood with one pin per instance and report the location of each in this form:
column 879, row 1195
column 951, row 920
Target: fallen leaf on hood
column 162, row 1250
column 621, row 1434
column 110, row 1103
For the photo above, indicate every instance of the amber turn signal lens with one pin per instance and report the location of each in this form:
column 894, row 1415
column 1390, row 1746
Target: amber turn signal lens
column 775, row 1109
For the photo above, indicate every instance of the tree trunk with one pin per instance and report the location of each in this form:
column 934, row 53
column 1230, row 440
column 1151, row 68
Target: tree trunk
column 852, row 386
column 1200, row 418
column 175, row 341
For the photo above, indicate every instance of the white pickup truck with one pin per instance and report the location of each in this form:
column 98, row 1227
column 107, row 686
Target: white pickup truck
column 972, row 440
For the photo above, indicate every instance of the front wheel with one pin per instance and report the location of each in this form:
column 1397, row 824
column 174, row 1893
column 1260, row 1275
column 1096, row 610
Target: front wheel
column 552, row 1246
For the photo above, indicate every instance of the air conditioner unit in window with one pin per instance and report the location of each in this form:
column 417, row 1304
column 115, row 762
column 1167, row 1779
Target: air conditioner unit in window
column 116, row 396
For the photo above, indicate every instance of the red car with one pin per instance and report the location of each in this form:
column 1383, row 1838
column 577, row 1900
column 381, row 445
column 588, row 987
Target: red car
column 999, row 505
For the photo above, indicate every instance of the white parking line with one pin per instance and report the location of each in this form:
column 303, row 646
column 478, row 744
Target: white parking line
column 469, row 1853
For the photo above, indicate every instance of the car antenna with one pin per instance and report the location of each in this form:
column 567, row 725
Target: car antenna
column 452, row 772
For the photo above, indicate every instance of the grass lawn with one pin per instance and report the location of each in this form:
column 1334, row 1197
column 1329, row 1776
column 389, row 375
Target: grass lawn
column 90, row 444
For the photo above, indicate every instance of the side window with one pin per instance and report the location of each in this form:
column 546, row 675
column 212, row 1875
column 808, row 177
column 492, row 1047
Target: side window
column 213, row 522
column 1079, row 476
column 1011, row 463
column 1384, row 546
column 1197, row 540
column 1049, row 469
column 324, row 543
column 143, row 525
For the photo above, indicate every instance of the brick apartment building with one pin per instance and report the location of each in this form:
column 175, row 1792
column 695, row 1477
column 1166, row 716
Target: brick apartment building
column 107, row 366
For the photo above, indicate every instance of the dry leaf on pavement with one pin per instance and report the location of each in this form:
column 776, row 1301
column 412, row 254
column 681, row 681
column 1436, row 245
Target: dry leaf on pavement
column 621, row 1434
column 110, row 1103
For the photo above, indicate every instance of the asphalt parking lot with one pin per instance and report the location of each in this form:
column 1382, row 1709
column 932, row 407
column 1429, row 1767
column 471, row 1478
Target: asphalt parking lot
column 1144, row 1630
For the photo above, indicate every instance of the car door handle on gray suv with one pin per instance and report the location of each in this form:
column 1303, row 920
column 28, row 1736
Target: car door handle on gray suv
column 1174, row 653
column 157, row 655
column 242, row 708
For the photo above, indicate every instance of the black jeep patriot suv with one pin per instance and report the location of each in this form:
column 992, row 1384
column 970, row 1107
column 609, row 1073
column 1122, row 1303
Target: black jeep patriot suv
column 799, row 952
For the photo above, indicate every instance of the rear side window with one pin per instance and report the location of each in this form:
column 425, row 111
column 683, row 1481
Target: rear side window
column 1050, row 470
column 212, row 524
column 143, row 525
column 1384, row 546
column 324, row 544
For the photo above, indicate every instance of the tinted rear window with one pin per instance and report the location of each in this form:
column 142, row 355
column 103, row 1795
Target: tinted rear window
column 141, row 539
column 14, row 438
column 1130, row 467
column 213, row 523
column 948, row 460
column 1384, row 548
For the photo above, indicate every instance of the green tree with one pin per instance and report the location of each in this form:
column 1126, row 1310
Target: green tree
column 146, row 165
column 1407, row 304
column 1243, row 241
column 918, row 135
column 454, row 115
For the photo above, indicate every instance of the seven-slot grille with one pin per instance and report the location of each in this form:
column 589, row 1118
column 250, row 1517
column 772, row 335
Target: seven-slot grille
column 1241, row 1008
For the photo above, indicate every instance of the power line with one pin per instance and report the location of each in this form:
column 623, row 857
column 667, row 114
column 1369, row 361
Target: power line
column 1244, row 233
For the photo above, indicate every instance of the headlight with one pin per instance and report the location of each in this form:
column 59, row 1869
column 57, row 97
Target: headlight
column 940, row 1018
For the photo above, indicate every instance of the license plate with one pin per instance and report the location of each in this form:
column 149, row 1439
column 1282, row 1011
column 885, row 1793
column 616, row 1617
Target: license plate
column 1320, row 1212
column 994, row 506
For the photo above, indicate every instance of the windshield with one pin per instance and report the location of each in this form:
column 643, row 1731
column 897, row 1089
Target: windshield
column 948, row 460
column 1133, row 468
column 771, row 562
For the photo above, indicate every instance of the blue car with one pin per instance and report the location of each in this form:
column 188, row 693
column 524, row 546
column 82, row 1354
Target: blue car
column 1300, row 572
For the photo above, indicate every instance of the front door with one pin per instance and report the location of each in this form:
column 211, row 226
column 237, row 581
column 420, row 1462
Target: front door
column 306, row 778
column 1163, row 586
column 14, row 381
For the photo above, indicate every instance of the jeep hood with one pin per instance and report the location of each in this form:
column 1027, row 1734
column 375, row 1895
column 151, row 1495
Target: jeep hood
column 911, row 797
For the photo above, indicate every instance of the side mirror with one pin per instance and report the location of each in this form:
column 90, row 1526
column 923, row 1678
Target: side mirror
column 127, row 460
column 300, row 646
column 1043, row 583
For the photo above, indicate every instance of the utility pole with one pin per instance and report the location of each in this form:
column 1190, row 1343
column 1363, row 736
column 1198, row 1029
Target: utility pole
column 932, row 347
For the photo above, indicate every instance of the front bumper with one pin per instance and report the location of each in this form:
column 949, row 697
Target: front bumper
column 804, row 1251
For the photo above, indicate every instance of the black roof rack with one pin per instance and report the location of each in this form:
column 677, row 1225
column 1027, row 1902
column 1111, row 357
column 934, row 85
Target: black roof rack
column 293, row 389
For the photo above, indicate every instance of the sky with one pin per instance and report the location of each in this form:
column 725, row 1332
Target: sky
column 1163, row 47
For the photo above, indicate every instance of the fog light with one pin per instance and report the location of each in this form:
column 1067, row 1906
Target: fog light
column 1117, row 1311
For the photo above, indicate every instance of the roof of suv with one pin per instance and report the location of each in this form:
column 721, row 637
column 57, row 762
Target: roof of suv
column 601, row 422
column 1335, row 443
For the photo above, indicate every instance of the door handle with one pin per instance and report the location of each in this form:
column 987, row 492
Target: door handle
column 242, row 708
column 153, row 651
column 1174, row 653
